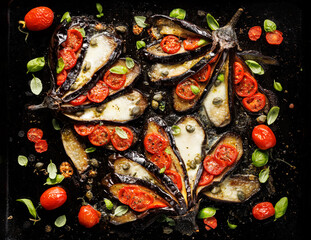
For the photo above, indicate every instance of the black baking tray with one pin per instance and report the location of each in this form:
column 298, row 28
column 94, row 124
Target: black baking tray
column 292, row 127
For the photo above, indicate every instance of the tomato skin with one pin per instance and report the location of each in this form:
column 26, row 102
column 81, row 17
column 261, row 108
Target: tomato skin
column 183, row 89
column 162, row 160
column 39, row 18
column 238, row 72
column 170, row 44
column 254, row 33
column 98, row 93
column 204, row 74
column 210, row 222
column 206, row 178
column 53, row 198
column 41, row 146
column 84, row 129
column 74, row 40
column 79, row 100
column 114, row 81
column 191, row 43
column 275, row 37
column 263, row 210
column 247, row 86
column 61, row 77
column 214, row 165
column 88, row 216
column 34, row 134
column 176, row 178
column 100, row 136
column 155, row 143
column 263, row 137
column 226, row 153
column 254, row 103
column 119, row 143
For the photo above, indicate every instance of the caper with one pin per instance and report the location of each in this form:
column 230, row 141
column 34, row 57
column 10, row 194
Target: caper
column 164, row 73
column 89, row 195
column 93, row 42
column 79, row 114
column 86, row 67
column 261, row 119
column 158, row 97
column 192, row 164
column 217, row 82
column 215, row 190
column 154, row 104
column 121, row 29
column 217, row 101
column 197, row 159
column 241, row 195
column 126, row 166
column 100, row 108
column 135, row 111
column 39, row 165
column 190, row 128
column 94, row 162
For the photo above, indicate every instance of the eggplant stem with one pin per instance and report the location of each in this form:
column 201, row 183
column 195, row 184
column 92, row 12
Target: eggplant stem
column 235, row 17
column 37, row 107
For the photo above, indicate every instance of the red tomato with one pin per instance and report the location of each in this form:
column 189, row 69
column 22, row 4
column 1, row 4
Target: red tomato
column 74, row 40
column 275, row 37
column 247, row 86
column 162, row 160
column 170, row 44
column 79, row 100
column 119, row 143
column 238, row 72
column 39, row 18
column 41, row 146
column 34, row 134
column 125, row 194
column 100, row 135
column 61, row 77
column 263, row 210
column 157, row 204
column 183, row 89
column 98, row 93
column 191, row 43
column 254, row 103
column 84, row 129
column 210, row 222
column 263, row 137
column 69, row 57
column 53, row 198
column 206, row 178
column 114, row 81
column 176, row 178
column 141, row 200
column 214, row 59
column 214, row 165
column 204, row 74
column 155, row 143
column 88, row 216
column 226, row 153
column 254, row 33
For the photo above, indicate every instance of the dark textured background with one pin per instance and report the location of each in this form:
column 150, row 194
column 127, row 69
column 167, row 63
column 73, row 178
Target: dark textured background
column 291, row 128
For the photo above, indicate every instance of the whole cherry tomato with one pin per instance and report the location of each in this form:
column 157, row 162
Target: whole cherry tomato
column 263, row 137
column 39, row 18
column 263, row 210
column 88, row 216
column 53, row 198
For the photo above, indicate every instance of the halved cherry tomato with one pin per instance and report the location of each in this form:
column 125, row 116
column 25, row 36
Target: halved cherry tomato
column 157, row 204
column 84, row 129
column 238, row 72
column 191, row 43
column 203, row 74
column 170, row 44
column 263, row 137
column 214, row 165
column 254, row 33
column 34, row 134
column 176, row 178
column 53, row 198
column 125, row 194
column 119, row 143
column 61, row 77
column 263, row 210
column 79, row 100
column 254, row 103
column 162, row 160
column 114, row 81
column 226, row 153
column 98, row 93
column 247, row 86
column 88, row 216
column 183, row 89
column 155, row 143
column 275, row 37
column 41, row 146
column 69, row 57
column 210, row 222
column 39, row 18
column 214, row 59
column 206, row 178
column 100, row 135
column 141, row 200
column 74, row 40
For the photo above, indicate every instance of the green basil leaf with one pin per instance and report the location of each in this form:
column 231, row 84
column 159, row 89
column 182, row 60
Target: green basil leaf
column 121, row 210
column 272, row 115
column 58, row 179
column 202, row 42
column 36, row 85
column 129, row 62
column 231, row 226
column 67, row 17
column 264, row 175
column 60, row 65
column 60, row 221
column 175, row 130
column 35, row 64
column 207, row 212
column 29, row 205
column 178, row 13
column 162, row 170
column 212, row 23
column 108, row 203
column 119, row 69
column 277, row 86
column 82, row 31
column 100, row 15
column 260, row 158
column 90, row 149
column 140, row 44
column 269, row 25
column 99, row 7
column 22, row 160
column 221, row 77
column 55, row 124
column 195, row 90
column 140, row 21
column 280, row 207
column 121, row 133
column 162, row 105
column 255, row 67
column 52, row 170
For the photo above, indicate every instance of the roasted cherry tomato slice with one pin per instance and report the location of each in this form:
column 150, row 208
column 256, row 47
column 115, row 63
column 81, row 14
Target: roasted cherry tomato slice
column 263, row 210
column 214, row 59
column 88, row 216
column 155, row 143
column 41, row 146
column 84, row 129
column 79, row 100
column 210, row 222
column 238, row 72
column 121, row 143
column 69, row 57
column 183, row 89
column 162, row 160
column 170, row 44
column 247, row 86
column 206, row 178
column 176, row 178
column 226, row 153
column 126, row 193
column 275, row 37
column 203, row 74
column 141, row 201
column 34, row 134
column 254, row 103
column 39, row 18
column 214, row 165
column 263, row 137
column 157, row 204
column 191, row 43
column 61, row 77
column 254, row 33
column 74, row 40
column 98, row 93
column 114, row 81
column 100, row 135
column 53, row 198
